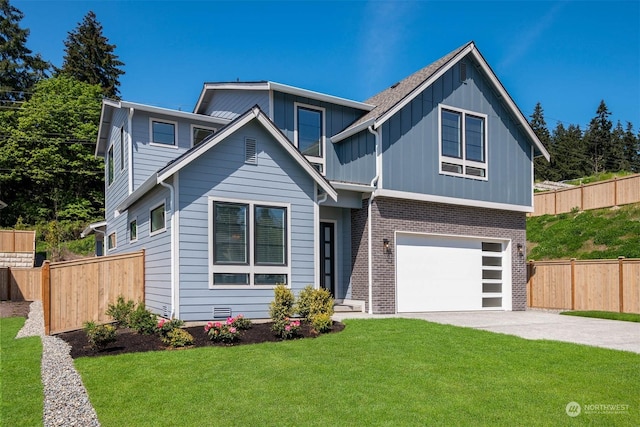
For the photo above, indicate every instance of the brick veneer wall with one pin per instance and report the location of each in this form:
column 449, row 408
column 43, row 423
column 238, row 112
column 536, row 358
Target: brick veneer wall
column 390, row 215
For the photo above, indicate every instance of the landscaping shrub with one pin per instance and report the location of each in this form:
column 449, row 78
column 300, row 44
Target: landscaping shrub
column 178, row 338
column 316, row 306
column 303, row 304
column 142, row 320
column 241, row 322
column 164, row 327
column 281, row 310
column 99, row 335
column 222, row 332
column 322, row 322
column 121, row 311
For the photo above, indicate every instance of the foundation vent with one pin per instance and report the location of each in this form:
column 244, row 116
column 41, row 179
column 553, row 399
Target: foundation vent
column 221, row 312
column 165, row 311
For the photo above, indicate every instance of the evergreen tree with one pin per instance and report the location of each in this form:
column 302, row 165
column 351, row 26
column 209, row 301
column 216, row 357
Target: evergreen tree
column 615, row 159
column 571, row 154
column 47, row 167
column 598, row 139
column 90, row 58
column 19, row 68
column 543, row 169
column 631, row 149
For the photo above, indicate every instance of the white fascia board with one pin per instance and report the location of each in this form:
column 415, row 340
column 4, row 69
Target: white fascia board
column 296, row 154
column 92, row 227
column 229, row 85
column 347, row 186
column 386, row 116
column 451, row 200
column 143, row 189
column 106, row 114
column 174, row 113
column 352, row 131
column 320, row 96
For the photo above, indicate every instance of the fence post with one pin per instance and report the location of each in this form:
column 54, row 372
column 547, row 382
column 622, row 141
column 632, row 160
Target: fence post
column 531, row 269
column 581, row 197
column 46, row 296
column 615, row 191
column 621, row 282
column 573, row 283
column 555, row 202
column 8, row 283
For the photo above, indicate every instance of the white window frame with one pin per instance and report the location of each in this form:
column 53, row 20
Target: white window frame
column 122, row 148
column 164, row 228
column 323, row 140
column 111, row 167
column 115, row 241
column 250, row 268
column 193, row 127
column 175, row 132
column 131, row 221
column 463, row 162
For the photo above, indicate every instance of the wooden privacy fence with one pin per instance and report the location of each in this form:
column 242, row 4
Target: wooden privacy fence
column 20, row 284
column 17, row 241
column 608, row 285
column 74, row 292
column 603, row 194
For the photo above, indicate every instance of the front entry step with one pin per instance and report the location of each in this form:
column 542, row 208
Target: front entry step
column 348, row 306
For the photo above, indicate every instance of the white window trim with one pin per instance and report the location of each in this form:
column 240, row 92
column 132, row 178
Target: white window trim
column 113, row 161
column 137, row 231
column 175, row 133
column 323, row 142
column 192, row 127
column 115, row 241
column 463, row 161
column 123, row 145
column 164, row 228
column 251, row 269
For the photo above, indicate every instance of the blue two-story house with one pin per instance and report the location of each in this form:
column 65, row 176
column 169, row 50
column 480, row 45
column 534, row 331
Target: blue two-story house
column 414, row 200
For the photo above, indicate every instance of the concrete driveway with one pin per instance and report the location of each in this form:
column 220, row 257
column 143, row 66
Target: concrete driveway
column 534, row 325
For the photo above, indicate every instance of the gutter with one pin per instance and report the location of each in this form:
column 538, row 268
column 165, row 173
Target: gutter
column 174, row 230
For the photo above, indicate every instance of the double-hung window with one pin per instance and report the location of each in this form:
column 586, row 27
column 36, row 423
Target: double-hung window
column 309, row 133
column 249, row 243
column 463, row 143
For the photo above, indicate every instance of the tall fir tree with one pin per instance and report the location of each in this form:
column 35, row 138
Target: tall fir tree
column 20, row 69
column 631, row 148
column 90, row 58
column 570, row 152
column 543, row 169
column 598, row 139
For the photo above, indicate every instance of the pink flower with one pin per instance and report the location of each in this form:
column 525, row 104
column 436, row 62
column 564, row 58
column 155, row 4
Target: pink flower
column 239, row 316
column 232, row 330
column 287, row 328
column 217, row 325
column 161, row 323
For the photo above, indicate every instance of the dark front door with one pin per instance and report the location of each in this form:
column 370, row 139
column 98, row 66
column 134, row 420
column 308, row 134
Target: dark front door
column 327, row 257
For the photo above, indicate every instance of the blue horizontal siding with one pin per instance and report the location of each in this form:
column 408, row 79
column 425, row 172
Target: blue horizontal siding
column 221, row 172
column 410, row 144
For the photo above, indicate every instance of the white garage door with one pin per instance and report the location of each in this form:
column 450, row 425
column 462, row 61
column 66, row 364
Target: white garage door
column 437, row 273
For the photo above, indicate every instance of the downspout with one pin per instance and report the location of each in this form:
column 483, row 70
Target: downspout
column 374, row 182
column 174, row 230
column 130, row 141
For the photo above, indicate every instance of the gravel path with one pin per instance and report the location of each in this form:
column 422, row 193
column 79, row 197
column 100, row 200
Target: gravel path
column 65, row 399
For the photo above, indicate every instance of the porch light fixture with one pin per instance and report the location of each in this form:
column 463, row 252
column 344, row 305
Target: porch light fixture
column 385, row 245
column 520, row 249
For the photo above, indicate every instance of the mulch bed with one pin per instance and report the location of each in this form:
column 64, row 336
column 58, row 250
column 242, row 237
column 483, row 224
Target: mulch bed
column 128, row 341
column 14, row 308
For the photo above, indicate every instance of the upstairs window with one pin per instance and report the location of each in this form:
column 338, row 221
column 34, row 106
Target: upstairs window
column 163, row 132
column 463, row 143
column 110, row 165
column 199, row 134
column 122, row 148
column 133, row 230
column 157, row 222
column 309, row 134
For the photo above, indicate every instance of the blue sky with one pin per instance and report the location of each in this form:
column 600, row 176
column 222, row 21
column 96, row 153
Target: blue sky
column 567, row 55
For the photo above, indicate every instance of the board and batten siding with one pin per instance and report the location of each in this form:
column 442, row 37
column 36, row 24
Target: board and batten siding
column 230, row 103
column 157, row 248
column 222, row 172
column 410, row 144
column 351, row 160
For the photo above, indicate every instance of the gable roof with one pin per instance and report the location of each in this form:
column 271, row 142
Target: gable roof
column 192, row 154
column 393, row 99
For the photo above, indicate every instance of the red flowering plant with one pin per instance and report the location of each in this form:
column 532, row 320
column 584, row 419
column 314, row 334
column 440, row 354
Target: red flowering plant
column 165, row 326
column 228, row 331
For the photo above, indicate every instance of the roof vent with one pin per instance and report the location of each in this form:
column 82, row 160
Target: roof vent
column 250, row 155
column 463, row 71
column 393, row 86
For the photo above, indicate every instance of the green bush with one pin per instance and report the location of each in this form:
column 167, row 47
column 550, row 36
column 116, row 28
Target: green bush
column 99, row 335
column 165, row 327
column 280, row 310
column 303, row 304
column 121, row 311
column 142, row 320
column 178, row 338
column 322, row 322
column 241, row 322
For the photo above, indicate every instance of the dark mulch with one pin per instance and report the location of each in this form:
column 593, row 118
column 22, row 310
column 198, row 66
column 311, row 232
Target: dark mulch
column 128, row 341
column 14, row 308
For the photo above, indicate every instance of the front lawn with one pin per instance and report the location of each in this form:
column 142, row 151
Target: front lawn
column 21, row 394
column 376, row 372
column 611, row 315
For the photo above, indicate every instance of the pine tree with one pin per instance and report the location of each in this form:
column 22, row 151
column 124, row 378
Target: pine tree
column 19, row 68
column 571, row 154
column 615, row 159
column 90, row 58
column 543, row 169
column 631, row 148
column 598, row 139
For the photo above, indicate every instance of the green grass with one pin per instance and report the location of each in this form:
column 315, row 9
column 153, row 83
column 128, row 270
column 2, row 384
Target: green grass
column 391, row 372
column 600, row 233
column 612, row 315
column 603, row 176
column 21, row 394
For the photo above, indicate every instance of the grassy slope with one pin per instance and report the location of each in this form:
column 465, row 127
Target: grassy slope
column 601, row 233
column 21, row 395
column 376, row 372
